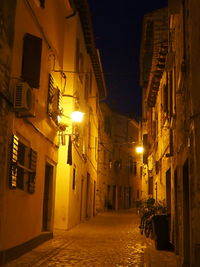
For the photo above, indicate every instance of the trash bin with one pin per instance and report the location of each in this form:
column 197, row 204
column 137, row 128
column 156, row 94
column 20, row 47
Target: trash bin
column 161, row 231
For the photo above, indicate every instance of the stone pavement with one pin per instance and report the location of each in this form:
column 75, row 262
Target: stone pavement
column 111, row 239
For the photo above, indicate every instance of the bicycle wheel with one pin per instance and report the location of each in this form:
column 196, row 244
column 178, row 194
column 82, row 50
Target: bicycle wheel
column 147, row 230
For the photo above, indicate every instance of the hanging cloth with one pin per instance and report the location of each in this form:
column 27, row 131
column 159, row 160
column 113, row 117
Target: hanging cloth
column 69, row 153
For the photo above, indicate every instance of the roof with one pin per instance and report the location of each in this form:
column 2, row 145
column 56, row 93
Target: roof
column 154, row 49
column 87, row 26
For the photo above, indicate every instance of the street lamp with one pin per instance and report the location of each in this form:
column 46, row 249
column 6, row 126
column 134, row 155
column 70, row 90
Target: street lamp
column 139, row 149
column 77, row 116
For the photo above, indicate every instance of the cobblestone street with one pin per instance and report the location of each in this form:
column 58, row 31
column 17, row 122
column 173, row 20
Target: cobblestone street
column 109, row 239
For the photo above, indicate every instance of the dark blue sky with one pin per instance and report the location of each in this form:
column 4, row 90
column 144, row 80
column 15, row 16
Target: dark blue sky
column 117, row 27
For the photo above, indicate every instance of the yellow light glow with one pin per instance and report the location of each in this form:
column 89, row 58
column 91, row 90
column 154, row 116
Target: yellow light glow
column 59, row 118
column 139, row 149
column 77, row 116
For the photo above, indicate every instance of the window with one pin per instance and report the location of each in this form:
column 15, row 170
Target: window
column 79, row 61
column 145, row 145
column 118, row 165
column 150, row 185
column 138, row 194
column 81, row 64
column 86, row 86
column 90, row 86
column 77, row 54
column 107, row 125
column 131, row 166
column 40, row 3
column 96, row 148
column 89, row 130
column 141, row 172
column 104, row 158
column 54, row 100
column 157, row 166
column 31, row 61
column 135, row 168
column 165, row 98
column 171, row 107
column 23, row 166
column 74, row 179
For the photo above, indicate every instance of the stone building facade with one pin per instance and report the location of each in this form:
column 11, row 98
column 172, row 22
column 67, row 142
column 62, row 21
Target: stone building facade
column 49, row 66
column 170, row 80
column 119, row 179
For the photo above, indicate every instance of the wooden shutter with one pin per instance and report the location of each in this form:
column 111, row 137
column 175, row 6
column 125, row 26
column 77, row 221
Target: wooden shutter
column 86, row 86
column 77, row 56
column 145, row 145
column 166, row 98
column 13, row 163
column 69, row 152
column 32, row 174
column 42, row 3
column 54, row 100
column 90, row 86
column 32, row 49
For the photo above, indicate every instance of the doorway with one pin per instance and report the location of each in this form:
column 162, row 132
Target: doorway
column 47, row 198
column 150, row 185
column 186, row 214
column 109, row 203
column 88, row 196
column 176, row 216
column 114, row 197
column 168, row 191
column 81, row 200
column 94, row 199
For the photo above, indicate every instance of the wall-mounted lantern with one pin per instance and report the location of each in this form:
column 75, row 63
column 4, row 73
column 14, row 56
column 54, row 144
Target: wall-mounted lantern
column 139, row 149
column 77, row 116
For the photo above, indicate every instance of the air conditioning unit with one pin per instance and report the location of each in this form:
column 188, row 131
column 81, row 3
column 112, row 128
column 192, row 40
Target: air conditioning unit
column 24, row 101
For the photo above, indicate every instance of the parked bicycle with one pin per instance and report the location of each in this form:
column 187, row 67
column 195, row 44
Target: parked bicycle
column 147, row 211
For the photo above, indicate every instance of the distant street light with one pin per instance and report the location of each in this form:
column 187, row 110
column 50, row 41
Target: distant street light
column 139, row 149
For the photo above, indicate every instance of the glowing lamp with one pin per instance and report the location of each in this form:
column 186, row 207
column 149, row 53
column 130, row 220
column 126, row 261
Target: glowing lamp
column 139, row 149
column 59, row 118
column 77, row 116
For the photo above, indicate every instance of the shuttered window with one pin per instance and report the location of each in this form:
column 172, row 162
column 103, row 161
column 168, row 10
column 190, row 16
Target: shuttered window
column 54, row 100
column 13, row 169
column 135, row 168
column 79, row 61
column 23, row 166
column 107, row 125
column 87, row 83
column 42, row 3
column 31, row 61
column 145, row 145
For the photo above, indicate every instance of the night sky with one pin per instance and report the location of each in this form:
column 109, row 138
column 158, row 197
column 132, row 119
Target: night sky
column 117, row 28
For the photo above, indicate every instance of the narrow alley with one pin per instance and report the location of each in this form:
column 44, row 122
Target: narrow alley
column 109, row 239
